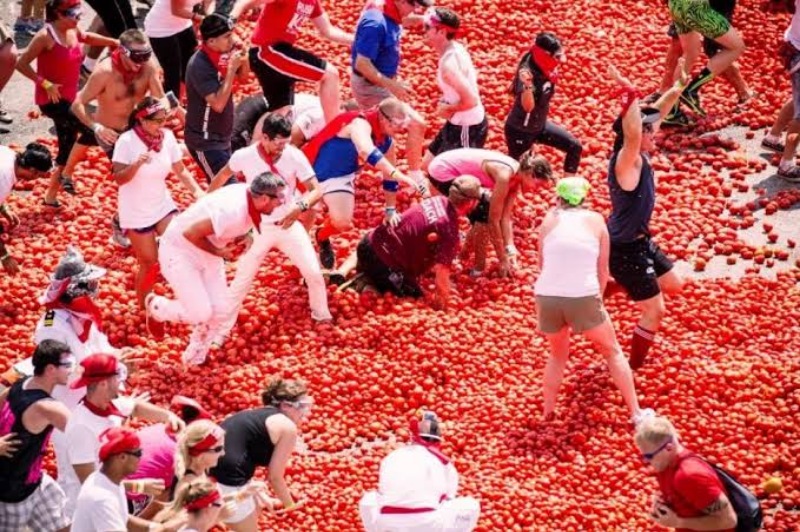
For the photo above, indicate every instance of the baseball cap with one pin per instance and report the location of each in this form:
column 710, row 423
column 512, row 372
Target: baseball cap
column 96, row 368
column 573, row 190
column 118, row 440
column 215, row 25
column 72, row 265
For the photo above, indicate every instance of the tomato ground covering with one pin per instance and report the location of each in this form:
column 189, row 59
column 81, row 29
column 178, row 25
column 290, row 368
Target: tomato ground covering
column 725, row 369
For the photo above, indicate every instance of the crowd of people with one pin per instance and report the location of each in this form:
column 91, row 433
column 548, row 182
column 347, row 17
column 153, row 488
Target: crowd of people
column 279, row 170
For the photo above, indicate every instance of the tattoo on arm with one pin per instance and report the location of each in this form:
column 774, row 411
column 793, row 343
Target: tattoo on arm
column 716, row 506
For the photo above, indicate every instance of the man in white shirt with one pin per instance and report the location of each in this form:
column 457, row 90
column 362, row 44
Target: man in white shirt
column 192, row 256
column 281, row 229
column 101, row 409
column 417, row 488
column 460, row 104
column 101, row 505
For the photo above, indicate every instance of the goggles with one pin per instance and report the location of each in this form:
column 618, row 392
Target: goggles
column 396, row 121
column 137, row 56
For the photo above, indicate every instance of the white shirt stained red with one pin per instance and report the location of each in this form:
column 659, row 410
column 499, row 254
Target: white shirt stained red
column 412, row 477
column 280, row 21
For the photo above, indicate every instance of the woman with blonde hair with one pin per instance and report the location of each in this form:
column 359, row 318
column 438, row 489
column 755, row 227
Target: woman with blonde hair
column 200, row 447
column 200, row 504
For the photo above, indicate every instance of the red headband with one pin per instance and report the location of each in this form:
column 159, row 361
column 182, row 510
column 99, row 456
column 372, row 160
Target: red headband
column 205, row 444
column 202, row 502
column 150, row 110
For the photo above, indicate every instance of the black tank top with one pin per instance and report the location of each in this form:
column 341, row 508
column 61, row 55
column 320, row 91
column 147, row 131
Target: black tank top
column 518, row 118
column 630, row 210
column 247, row 446
column 245, row 118
column 22, row 473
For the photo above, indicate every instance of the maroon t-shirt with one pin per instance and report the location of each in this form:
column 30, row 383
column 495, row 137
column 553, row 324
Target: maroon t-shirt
column 426, row 235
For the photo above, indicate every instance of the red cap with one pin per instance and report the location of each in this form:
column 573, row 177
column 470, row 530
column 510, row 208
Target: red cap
column 96, row 368
column 118, row 440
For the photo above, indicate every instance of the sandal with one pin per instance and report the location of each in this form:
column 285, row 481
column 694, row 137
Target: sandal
column 67, row 185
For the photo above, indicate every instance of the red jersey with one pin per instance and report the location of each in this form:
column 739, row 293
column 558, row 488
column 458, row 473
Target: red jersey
column 690, row 486
column 280, row 21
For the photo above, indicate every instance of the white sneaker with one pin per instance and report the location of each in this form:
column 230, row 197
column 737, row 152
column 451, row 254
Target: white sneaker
column 643, row 414
column 199, row 343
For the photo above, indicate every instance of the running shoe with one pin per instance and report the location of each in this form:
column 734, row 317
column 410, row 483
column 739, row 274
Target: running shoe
column 774, row 145
column 199, row 343
column 692, row 101
column 326, row 255
column 677, row 119
column 790, row 174
column 334, row 277
column 642, row 415
column 155, row 328
column 118, row 235
column 67, row 185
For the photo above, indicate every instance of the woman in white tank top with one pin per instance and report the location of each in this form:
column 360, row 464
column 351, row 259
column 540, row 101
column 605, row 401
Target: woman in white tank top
column 573, row 257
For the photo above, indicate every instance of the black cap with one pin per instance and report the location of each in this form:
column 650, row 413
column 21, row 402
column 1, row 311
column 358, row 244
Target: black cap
column 215, row 25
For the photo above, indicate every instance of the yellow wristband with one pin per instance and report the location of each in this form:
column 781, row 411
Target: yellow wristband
column 46, row 85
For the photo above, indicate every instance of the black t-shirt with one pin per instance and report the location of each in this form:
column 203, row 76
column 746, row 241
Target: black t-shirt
column 22, row 473
column 206, row 129
column 543, row 89
column 246, row 116
column 247, row 446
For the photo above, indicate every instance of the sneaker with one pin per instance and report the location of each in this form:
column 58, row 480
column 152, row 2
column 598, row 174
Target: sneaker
column 326, row 255
column 334, row 278
column 67, row 185
column 774, row 145
column 199, row 343
column 790, row 174
column 692, row 101
column 118, row 235
column 155, row 328
column 641, row 415
column 677, row 119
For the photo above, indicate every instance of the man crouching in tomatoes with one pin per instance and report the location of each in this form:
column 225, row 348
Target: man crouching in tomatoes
column 417, row 487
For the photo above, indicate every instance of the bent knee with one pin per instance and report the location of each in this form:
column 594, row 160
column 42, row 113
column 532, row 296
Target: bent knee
column 331, row 73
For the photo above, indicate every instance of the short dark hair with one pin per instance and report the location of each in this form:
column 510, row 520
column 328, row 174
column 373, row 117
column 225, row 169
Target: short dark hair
column 548, row 42
column 276, row 125
column 48, row 353
column 35, row 157
column 448, row 18
column 133, row 36
column 52, row 9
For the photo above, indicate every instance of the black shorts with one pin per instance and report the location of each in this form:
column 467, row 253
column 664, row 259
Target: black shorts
column 279, row 67
column 452, row 137
column 117, row 15
column 480, row 214
column 88, row 138
column 637, row 265
column 383, row 278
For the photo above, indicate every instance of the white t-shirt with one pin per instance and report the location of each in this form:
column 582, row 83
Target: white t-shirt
column 101, row 506
column 293, row 166
column 228, row 210
column 308, row 115
column 145, row 200
column 7, row 177
column 458, row 56
column 793, row 31
column 83, row 444
column 412, row 477
column 160, row 22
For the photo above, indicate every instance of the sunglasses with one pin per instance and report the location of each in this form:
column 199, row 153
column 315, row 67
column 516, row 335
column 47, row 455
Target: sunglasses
column 137, row 56
column 217, row 504
column 137, row 453
column 74, row 12
column 648, row 457
column 68, row 363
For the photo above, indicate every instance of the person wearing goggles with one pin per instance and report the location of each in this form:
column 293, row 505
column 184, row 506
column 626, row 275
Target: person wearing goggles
column 274, row 430
column 33, row 415
column 117, row 84
column 393, row 258
column 58, row 53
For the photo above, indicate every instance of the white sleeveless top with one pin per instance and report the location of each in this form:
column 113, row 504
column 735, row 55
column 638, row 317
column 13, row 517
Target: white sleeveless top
column 570, row 252
column 463, row 62
column 160, row 22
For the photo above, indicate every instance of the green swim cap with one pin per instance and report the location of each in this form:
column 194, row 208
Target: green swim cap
column 573, row 190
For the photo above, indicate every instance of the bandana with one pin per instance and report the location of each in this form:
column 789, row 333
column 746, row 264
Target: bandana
column 110, row 410
column 153, row 143
column 117, row 440
column 627, row 95
column 128, row 76
column 388, row 7
column 82, row 313
column 267, row 158
column 218, row 59
column 202, row 502
column 332, row 128
column 209, row 442
column 546, row 63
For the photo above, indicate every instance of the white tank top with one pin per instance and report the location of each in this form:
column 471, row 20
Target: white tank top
column 160, row 22
column 463, row 63
column 570, row 253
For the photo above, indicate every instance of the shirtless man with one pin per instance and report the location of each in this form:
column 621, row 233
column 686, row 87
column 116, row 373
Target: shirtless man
column 118, row 83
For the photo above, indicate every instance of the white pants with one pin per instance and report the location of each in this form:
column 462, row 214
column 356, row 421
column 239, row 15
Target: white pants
column 454, row 515
column 293, row 242
column 198, row 281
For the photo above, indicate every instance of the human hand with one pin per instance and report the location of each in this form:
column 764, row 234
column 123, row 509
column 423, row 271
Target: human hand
column 10, row 265
column 525, row 76
column 109, row 136
column 666, row 516
column 235, row 61
column 614, row 74
column 392, row 219
column 399, row 89
column 291, row 218
column 445, row 110
column 8, row 445
column 152, row 486
column 295, row 506
column 131, row 357
column 175, row 423
column 680, row 72
column 53, row 92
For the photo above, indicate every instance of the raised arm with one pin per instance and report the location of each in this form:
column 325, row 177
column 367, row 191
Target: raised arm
column 331, row 32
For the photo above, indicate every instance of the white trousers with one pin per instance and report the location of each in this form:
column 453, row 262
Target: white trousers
column 454, row 515
column 198, row 281
column 293, row 242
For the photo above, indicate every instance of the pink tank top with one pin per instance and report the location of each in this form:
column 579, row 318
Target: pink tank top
column 60, row 65
column 447, row 166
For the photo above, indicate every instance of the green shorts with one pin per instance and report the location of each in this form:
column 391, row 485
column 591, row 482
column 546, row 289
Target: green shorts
column 580, row 313
column 697, row 15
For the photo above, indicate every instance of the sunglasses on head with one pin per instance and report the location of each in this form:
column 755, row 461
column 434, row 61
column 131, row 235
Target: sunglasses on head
column 138, row 56
column 73, row 12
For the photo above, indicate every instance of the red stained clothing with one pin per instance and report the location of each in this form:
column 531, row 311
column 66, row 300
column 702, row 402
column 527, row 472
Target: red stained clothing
column 426, row 235
column 280, row 21
column 60, row 65
column 690, row 486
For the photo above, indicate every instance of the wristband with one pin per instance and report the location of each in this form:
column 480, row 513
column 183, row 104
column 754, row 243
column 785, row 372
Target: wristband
column 46, row 85
column 97, row 127
column 374, row 157
column 303, row 205
column 511, row 250
column 389, row 210
column 390, row 185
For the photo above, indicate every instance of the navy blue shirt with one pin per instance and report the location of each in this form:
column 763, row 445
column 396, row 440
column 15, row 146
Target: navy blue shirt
column 630, row 209
column 206, row 129
column 378, row 39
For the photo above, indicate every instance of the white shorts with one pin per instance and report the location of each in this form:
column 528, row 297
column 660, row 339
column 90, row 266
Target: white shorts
column 243, row 507
column 339, row 184
column 42, row 511
column 455, row 515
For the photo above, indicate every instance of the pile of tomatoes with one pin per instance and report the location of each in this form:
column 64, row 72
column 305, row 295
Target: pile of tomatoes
column 725, row 367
